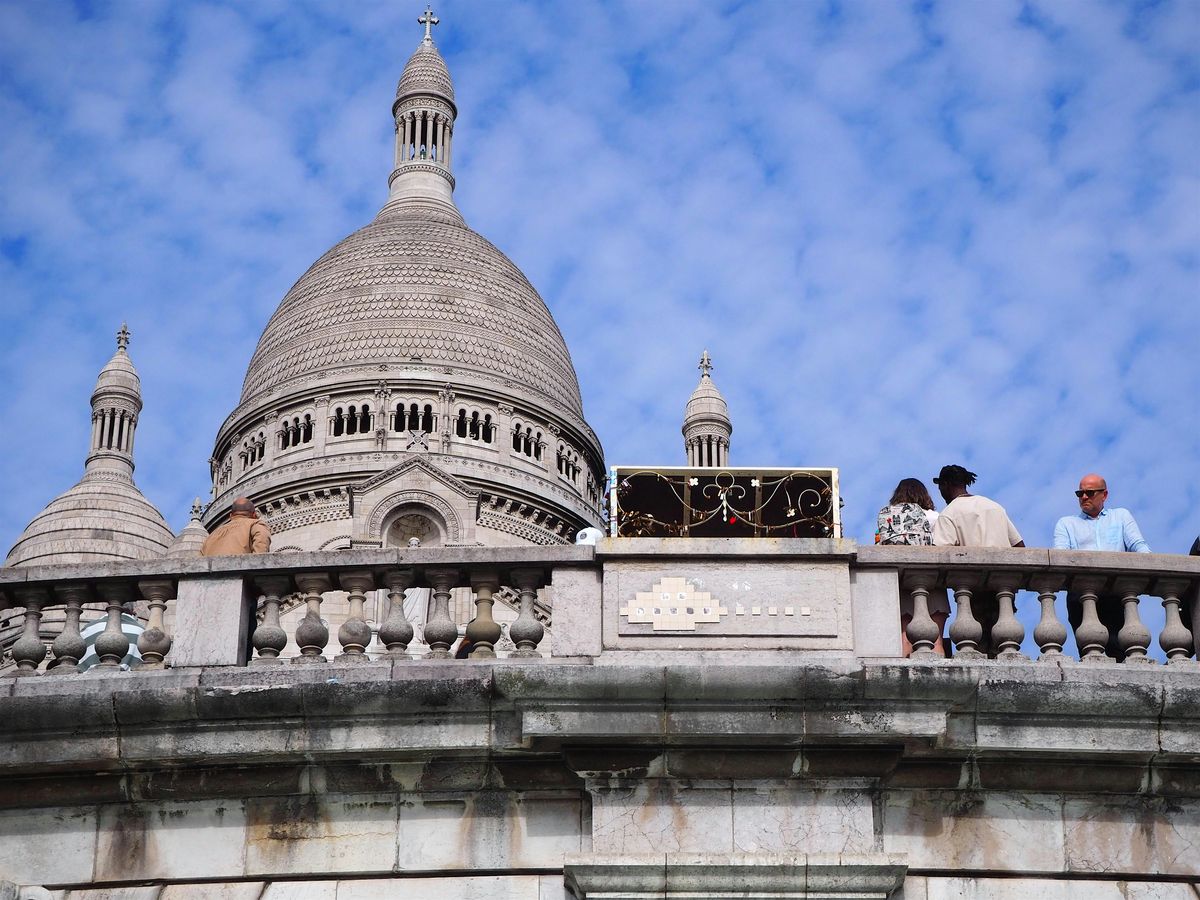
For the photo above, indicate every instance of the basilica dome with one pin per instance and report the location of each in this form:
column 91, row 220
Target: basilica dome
column 412, row 382
column 414, row 286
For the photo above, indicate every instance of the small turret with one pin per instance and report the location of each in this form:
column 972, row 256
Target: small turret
column 192, row 537
column 104, row 516
column 706, row 424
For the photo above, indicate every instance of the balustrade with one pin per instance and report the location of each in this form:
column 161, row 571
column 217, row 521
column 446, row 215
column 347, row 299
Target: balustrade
column 987, row 591
column 975, row 637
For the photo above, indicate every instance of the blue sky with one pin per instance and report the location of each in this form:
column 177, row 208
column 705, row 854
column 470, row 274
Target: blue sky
column 908, row 233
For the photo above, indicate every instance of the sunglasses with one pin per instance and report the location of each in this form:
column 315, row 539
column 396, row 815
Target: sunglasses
column 1091, row 492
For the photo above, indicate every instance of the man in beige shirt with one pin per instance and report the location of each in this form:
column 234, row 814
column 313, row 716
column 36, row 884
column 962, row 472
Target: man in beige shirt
column 972, row 521
column 243, row 533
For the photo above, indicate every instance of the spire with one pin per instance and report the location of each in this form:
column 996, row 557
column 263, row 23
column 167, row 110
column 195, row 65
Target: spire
column 428, row 20
column 706, row 424
column 424, row 114
column 116, row 404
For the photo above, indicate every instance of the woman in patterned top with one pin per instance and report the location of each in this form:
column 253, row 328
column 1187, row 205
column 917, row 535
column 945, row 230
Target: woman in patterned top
column 908, row 520
column 909, row 516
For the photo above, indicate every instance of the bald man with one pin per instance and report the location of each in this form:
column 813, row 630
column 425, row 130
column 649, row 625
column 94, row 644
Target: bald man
column 1096, row 528
column 243, row 533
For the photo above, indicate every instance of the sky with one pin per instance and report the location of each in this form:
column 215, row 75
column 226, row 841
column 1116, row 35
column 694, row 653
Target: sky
column 909, row 234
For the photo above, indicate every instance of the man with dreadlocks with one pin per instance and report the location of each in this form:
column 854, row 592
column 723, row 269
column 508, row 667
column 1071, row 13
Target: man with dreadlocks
column 972, row 521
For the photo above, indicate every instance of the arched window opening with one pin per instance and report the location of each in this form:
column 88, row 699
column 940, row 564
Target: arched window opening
column 108, row 429
column 306, row 429
column 339, row 422
column 460, row 424
column 364, row 418
column 352, row 420
column 537, row 446
column 428, row 420
column 489, row 430
column 516, row 438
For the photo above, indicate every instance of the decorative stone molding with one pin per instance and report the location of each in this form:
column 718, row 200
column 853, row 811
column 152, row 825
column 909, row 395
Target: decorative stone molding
column 414, row 498
column 697, row 876
column 522, row 528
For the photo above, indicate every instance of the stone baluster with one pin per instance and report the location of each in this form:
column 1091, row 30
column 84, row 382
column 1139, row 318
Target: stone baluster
column 269, row 638
column 29, row 651
column 440, row 630
column 1091, row 636
column 966, row 632
column 1134, row 637
column 396, row 632
column 112, row 645
column 1176, row 638
column 483, row 632
column 922, row 631
column 154, row 643
column 1008, row 633
column 312, row 634
column 527, row 632
column 69, row 647
column 1050, row 634
column 355, row 633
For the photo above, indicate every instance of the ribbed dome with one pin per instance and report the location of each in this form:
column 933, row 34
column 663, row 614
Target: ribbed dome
column 425, row 73
column 119, row 376
column 415, row 285
column 103, row 517
column 706, row 404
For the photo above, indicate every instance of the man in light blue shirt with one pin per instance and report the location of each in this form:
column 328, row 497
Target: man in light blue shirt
column 1097, row 528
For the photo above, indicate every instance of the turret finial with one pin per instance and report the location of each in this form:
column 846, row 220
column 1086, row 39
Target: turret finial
column 123, row 337
column 428, row 20
column 197, row 508
column 705, row 366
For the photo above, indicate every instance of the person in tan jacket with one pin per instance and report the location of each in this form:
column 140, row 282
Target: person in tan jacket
column 243, row 533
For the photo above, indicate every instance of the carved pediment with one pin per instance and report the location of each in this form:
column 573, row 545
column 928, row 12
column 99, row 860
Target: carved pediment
column 413, row 465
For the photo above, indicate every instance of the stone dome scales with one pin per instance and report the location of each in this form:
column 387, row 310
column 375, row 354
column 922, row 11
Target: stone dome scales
column 408, row 288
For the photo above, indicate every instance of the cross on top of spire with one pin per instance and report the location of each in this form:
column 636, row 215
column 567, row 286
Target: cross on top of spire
column 428, row 20
column 705, row 366
column 123, row 337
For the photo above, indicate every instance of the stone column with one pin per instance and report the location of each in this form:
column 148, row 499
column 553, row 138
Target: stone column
column 504, row 431
column 397, row 632
column 922, row 631
column 29, row 651
column 69, row 647
column 320, row 426
column 483, row 632
column 154, row 643
column 271, row 432
column 1091, row 636
column 966, row 632
column 355, row 634
column 1050, row 634
column 527, row 632
column 113, row 644
column 1134, row 637
column 440, row 630
column 269, row 638
column 1176, row 638
column 312, row 634
column 405, row 153
column 449, row 141
column 1008, row 633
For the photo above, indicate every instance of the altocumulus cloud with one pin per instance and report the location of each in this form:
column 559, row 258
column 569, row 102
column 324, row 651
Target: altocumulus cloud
column 909, row 234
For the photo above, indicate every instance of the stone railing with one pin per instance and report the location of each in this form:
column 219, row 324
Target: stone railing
column 692, row 600
column 1089, row 576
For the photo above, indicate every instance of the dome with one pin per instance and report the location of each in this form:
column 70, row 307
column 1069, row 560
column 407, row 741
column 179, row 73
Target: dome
column 119, row 376
column 425, row 73
column 192, row 538
column 414, row 285
column 705, row 404
column 101, row 518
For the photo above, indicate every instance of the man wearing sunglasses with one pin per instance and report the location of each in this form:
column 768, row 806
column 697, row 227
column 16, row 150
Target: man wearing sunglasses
column 1097, row 528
